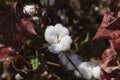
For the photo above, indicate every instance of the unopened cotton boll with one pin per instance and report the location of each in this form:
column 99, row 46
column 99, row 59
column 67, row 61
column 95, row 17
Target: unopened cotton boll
column 29, row 9
column 96, row 72
column 63, row 58
column 18, row 77
column 85, row 70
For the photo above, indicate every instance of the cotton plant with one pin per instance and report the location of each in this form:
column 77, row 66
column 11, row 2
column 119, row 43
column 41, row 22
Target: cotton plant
column 58, row 38
column 88, row 70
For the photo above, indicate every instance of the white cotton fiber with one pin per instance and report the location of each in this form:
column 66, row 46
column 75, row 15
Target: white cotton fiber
column 65, row 43
column 58, row 38
column 96, row 72
column 85, row 70
column 63, row 58
column 61, row 30
column 92, row 64
column 18, row 77
column 29, row 9
column 54, row 48
column 74, row 57
column 77, row 74
column 50, row 35
column 70, row 66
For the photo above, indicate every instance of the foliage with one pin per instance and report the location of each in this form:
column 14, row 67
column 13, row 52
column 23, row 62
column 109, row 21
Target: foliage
column 69, row 27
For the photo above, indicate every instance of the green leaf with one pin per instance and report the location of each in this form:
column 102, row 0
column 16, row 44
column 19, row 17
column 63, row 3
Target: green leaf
column 87, row 38
column 35, row 63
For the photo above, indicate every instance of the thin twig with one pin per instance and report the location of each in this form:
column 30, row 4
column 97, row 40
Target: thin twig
column 52, row 63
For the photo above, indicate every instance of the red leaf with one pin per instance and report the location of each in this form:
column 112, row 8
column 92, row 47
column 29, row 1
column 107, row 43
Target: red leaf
column 5, row 52
column 29, row 26
column 115, row 43
column 114, row 25
column 102, row 32
column 109, row 67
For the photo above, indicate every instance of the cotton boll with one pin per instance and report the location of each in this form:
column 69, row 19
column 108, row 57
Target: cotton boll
column 92, row 64
column 85, row 70
column 54, row 48
column 29, row 9
column 51, row 35
column 18, row 77
column 65, row 43
column 35, row 18
column 96, row 72
column 74, row 57
column 77, row 74
column 61, row 30
column 63, row 58
column 70, row 66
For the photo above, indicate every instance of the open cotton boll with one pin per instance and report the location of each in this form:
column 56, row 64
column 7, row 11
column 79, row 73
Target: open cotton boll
column 51, row 35
column 29, row 9
column 77, row 74
column 75, row 60
column 85, row 70
column 35, row 18
column 92, row 64
column 63, row 58
column 96, row 72
column 61, row 30
column 54, row 48
column 65, row 43
column 18, row 77
column 70, row 66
